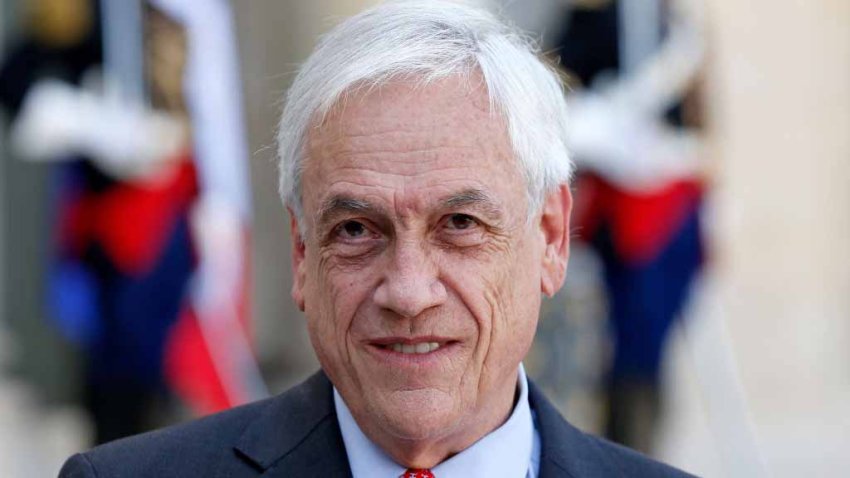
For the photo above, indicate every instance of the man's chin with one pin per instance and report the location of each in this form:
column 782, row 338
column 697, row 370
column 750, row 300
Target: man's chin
column 417, row 415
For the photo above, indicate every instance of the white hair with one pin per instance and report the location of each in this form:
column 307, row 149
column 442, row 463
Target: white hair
column 429, row 40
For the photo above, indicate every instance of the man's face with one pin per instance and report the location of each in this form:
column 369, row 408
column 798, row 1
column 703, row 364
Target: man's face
column 419, row 273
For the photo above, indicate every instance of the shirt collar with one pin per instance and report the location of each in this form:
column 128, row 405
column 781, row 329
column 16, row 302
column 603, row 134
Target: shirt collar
column 506, row 451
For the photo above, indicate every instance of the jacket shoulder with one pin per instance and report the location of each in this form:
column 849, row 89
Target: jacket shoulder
column 632, row 463
column 570, row 452
column 194, row 448
column 229, row 443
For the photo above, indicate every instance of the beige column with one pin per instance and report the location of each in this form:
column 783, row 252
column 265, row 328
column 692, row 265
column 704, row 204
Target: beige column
column 780, row 117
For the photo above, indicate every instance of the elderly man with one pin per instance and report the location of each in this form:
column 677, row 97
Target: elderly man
column 424, row 166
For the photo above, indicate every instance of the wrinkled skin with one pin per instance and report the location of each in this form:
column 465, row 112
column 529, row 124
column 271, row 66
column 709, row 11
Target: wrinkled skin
column 416, row 230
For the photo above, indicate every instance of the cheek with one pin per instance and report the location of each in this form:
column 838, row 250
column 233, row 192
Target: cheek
column 512, row 296
column 484, row 283
column 332, row 300
column 324, row 300
column 525, row 301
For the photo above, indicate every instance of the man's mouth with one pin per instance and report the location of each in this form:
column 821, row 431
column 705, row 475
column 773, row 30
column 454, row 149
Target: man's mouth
column 412, row 346
column 420, row 348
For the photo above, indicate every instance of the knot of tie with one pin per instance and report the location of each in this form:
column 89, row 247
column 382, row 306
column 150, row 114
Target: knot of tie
column 417, row 473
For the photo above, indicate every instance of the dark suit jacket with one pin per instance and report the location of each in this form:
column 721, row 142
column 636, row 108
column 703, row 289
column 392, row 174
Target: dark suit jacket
column 297, row 434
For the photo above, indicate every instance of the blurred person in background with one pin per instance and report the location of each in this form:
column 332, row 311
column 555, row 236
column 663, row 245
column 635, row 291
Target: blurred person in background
column 60, row 40
column 424, row 165
column 150, row 242
column 633, row 67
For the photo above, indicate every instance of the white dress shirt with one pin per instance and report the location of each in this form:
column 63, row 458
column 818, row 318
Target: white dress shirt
column 512, row 450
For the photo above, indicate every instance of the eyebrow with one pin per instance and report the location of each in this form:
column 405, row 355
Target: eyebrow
column 476, row 199
column 341, row 203
column 469, row 198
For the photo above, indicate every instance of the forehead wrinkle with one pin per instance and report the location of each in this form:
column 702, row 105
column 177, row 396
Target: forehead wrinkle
column 418, row 145
column 399, row 153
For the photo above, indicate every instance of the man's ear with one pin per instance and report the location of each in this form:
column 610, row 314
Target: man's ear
column 298, row 264
column 555, row 229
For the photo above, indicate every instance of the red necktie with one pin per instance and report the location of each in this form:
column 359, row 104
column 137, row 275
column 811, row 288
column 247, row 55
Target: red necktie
column 417, row 473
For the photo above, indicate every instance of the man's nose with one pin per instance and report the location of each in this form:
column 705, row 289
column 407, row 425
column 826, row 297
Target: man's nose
column 411, row 283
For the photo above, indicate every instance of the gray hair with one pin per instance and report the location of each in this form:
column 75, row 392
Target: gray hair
column 429, row 40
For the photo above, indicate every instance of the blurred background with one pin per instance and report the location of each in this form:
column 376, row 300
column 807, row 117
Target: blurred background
column 144, row 271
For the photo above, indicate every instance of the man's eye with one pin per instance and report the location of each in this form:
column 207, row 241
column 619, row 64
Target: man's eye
column 352, row 238
column 352, row 230
column 461, row 222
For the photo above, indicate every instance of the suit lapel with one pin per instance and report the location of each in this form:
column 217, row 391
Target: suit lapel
column 566, row 451
column 297, row 434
